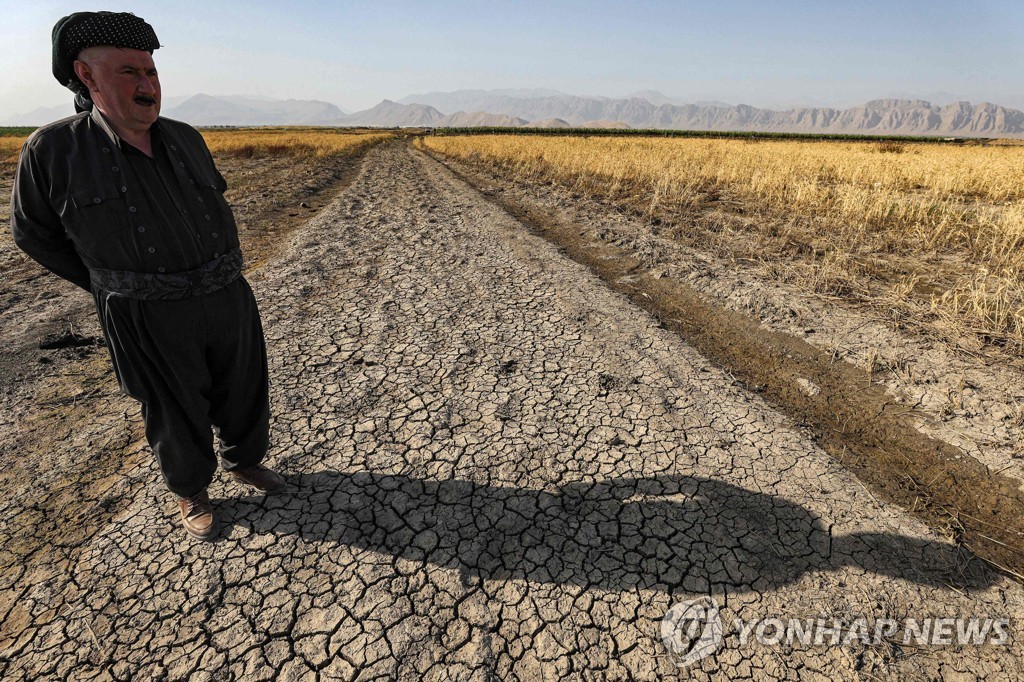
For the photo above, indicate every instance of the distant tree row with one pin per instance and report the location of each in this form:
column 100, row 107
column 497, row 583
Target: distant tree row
column 740, row 134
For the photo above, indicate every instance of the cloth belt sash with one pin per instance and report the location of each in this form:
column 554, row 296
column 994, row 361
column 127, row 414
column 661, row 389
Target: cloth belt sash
column 207, row 278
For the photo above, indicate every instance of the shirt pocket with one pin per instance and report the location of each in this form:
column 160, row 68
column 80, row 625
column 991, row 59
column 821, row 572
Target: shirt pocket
column 211, row 193
column 95, row 212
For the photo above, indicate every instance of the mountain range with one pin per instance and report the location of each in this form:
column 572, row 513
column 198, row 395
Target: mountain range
column 549, row 108
column 888, row 116
column 243, row 111
column 207, row 110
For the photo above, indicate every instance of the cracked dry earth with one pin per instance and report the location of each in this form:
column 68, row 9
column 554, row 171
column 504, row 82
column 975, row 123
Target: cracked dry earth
column 501, row 469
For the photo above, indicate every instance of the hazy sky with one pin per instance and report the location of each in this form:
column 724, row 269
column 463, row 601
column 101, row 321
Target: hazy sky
column 354, row 54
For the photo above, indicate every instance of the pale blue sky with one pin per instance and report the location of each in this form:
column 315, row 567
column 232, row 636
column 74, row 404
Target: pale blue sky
column 354, row 54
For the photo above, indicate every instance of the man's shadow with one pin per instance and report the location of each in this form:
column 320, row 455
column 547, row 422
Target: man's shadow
column 671, row 533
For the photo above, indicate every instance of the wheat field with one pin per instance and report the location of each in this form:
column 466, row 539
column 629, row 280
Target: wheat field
column 936, row 229
column 10, row 148
column 256, row 142
column 294, row 141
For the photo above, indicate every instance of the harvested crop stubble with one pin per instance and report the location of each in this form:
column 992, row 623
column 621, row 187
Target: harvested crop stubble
column 940, row 225
column 10, row 148
column 255, row 142
column 279, row 141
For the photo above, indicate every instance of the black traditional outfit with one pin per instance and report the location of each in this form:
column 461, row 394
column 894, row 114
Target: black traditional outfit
column 155, row 242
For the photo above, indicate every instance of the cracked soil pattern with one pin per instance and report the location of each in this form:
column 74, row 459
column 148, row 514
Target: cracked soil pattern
column 500, row 469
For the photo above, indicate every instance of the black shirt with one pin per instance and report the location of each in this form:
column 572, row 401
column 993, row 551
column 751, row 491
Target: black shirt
column 84, row 199
column 174, row 226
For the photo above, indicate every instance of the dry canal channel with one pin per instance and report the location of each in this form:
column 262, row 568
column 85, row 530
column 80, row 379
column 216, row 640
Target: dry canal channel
column 503, row 469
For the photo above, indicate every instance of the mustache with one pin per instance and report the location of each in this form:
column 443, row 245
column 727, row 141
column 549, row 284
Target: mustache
column 145, row 99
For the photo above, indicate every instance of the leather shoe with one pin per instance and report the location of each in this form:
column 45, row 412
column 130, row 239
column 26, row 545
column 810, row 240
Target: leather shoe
column 197, row 515
column 260, row 477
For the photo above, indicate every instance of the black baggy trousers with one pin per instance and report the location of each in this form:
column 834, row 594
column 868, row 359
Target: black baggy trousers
column 199, row 367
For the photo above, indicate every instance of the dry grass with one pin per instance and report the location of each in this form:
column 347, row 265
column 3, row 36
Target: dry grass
column 289, row 141
column 251, row 142
column 10, row 148
column 936, row 230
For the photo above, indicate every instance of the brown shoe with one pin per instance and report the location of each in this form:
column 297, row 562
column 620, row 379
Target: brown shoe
column 260, row 477
column 197, row 515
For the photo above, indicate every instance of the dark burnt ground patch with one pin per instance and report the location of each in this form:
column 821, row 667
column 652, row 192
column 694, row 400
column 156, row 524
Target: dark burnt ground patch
column 853, row 419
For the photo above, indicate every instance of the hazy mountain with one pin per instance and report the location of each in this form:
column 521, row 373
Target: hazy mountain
column 1013, row 101
column 475, row 100
column 303, row 107
column 937, row 98
column 44, row 115
column 898, row 116
column 498, row 102
column 658, row 98
column 883, row 116
column 41, row 116
column 477, row 119
column 549, row 123
column 211, row 110
column 169, row 102
column 887, row 116
column 903, row 117
column 390, row 114
column 654, row 97
column 247, row 98
column 206, row 110
column 605, row 124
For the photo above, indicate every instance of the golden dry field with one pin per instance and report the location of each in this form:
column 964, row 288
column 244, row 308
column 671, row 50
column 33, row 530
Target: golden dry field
column 257, row 142
column 934, row 230
column 289, row 141
column 10, row 147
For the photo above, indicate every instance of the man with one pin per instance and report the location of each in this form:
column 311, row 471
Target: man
column 130, row 207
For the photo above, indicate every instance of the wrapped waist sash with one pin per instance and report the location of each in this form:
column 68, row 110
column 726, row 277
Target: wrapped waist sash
column 207, row 278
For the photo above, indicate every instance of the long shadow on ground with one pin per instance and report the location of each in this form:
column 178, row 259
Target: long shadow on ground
column 671, row 533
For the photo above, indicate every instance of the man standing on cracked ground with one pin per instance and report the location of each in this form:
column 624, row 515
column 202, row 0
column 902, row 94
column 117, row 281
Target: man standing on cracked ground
column 130, row 207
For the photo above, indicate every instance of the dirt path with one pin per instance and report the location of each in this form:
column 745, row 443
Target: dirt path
column 502, row 468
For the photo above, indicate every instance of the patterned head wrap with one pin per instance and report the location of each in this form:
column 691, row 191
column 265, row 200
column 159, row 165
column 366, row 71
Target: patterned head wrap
column 80, row 30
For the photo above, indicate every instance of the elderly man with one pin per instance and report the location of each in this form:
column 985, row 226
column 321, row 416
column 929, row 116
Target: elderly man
column 130, row 207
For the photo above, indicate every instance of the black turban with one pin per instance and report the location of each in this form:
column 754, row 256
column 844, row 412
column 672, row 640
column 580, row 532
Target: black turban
column 80, row 30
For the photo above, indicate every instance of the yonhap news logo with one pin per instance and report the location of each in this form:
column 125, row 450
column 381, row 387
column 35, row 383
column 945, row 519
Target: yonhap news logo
column 693, row 629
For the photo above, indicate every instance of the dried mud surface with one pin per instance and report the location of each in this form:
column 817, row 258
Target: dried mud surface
column 866, row 425
column 501, row 468
column 959, row 392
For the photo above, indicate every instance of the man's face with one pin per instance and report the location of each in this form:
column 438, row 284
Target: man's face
column 123, row 84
